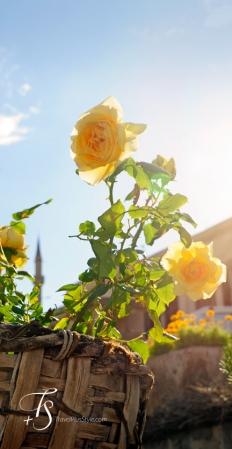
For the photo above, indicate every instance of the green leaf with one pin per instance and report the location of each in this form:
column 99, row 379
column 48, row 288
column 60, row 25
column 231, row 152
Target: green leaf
column 150, row 233
column 87, row 228
column 172, row 203
column 38, row 311
column 102, row 251
column 82, row 328
column 141, row 347
column 155, row 275
column 124, row 310
column 26, row 213
column 63, row 323
column 5, row 310
column 130, row 255
column 185, row 237
column 156, row 331
column 138, row 212
column 92, row 262
column 111, row 219
column 67, row 287
column 26, row 275
column 152, row 169
column 165, row 290
column 87, row 276
column 128, row 162
column 18, row 310
column 18, row 226
column 140, row 176
column 188, row 218
column 99, row 292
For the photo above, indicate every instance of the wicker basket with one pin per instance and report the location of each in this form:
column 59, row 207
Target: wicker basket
column 95, row 396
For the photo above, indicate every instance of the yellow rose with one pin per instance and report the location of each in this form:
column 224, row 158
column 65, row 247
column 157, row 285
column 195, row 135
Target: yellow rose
column 195, row 272
column 10, row 238
column 13, row 246
column 100, row 142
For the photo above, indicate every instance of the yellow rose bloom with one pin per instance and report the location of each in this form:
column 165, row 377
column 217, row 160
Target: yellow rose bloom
column 13, row 242
column 9, row 238
column 100, row 142
column 194, row 270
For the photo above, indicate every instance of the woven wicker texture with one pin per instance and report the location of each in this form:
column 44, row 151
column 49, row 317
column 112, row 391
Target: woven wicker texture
column 96, row 397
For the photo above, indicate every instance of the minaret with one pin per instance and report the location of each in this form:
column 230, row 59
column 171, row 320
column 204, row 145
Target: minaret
column 39, row 279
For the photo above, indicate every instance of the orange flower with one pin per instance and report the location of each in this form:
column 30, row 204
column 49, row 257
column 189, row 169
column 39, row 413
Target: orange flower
column 180, row 313
column 228, row 317
column 210, row 313
column 202, row 322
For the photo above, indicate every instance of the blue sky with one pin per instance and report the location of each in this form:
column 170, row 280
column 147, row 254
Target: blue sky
column 168, row 63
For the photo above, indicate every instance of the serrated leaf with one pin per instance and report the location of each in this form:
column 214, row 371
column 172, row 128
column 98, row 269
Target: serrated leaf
column 138, row 212
column 87, row 228
column 149, row 233
column 140, row 176
column 141, row 347
column 112, row 218
column 102, row 251
column 165, row 290
column 172, row 203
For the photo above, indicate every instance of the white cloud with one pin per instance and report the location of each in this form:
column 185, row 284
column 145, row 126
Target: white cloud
column 219, row 17
column 34, row 110
column 10, row 131
column 24, row 89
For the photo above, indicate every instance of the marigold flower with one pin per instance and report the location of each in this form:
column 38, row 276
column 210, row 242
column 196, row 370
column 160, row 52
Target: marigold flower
column 228, row 317
column 210, row 313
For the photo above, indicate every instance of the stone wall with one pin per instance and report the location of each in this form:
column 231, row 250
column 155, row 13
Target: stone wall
column 190, row 405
